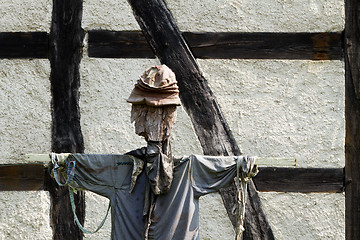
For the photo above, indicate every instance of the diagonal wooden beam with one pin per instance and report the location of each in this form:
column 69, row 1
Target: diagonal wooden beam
column 224, row 45
column 167, row 42
column 66, row 37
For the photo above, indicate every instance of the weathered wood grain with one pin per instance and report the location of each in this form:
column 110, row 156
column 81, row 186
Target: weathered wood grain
column 262, row 45
column 167, row 42
column 352, row 119
column 351, row 42
column 114, row 44
column 208, row 45
column 66, row 37
column 224, row 45
column 304, row 180
column 21, row 177
column 153, row 123
column 23, row 45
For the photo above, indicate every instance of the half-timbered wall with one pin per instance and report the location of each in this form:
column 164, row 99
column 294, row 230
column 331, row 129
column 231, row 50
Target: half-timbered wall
column 25, row 120
column 280, row 108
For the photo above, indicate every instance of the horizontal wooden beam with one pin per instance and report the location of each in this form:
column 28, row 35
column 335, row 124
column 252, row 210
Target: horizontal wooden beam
column 224, row 45
column 23, row 45
column 32, row 177
column 22, row 177
column 304, row 180
column 211, row 45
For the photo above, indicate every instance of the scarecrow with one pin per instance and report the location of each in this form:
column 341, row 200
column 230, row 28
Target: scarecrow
column 154, row 100
column 153, row 195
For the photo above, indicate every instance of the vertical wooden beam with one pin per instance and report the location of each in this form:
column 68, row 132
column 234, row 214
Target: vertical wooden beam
column 66, row 39
column 352, row 116
column 168, row 44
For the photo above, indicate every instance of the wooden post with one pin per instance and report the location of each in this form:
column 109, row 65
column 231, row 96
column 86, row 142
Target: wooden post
column 66, row 39
column 163, row 35
column 352, row 117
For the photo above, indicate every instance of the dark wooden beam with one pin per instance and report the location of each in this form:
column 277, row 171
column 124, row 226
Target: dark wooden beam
column 22, row 177
column 224, row 45
column 352, row 119
column 34, row 177
column 167, row 42
column 113, row 44
column 210, row 45
column 300, row 46
column 304, row 180
column 66, row 39
column 23, row 45
column 351, row 41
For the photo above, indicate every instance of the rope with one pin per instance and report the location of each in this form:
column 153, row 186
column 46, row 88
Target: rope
column 71, row 193
column 245, row 170
column 69, row 178
column 70, row 170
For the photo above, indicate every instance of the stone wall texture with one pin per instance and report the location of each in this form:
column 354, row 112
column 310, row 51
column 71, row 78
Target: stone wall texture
column 275, row 108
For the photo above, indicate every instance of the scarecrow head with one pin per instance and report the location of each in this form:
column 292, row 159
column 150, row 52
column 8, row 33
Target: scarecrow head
column 154, row 100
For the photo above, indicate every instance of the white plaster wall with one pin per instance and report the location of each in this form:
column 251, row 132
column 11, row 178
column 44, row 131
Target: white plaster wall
column 258, row 16
column 25, row 122
column 24, row 215
column 279, row 108
column 110, row 15
column 288, row 109
column 226, row 15
column 25, row 118
column 29, row 15
column 283, row 108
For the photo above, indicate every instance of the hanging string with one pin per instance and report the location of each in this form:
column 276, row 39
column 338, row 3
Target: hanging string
column 71, row 193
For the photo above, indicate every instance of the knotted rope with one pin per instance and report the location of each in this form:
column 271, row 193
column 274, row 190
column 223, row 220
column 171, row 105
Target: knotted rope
column 245, row 170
